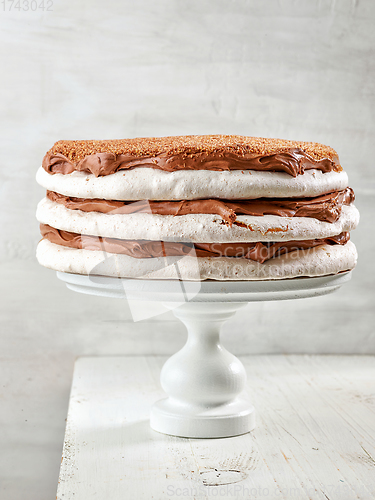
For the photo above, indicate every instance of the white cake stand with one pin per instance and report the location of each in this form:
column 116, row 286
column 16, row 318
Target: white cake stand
column 203, row 380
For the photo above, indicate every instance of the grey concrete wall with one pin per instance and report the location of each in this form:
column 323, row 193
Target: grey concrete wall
column 292, row 69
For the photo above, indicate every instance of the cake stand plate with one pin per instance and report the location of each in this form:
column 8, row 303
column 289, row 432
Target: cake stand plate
column 204, row 382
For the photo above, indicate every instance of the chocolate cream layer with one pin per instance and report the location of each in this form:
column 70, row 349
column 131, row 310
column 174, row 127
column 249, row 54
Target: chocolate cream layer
column 144, row 249
column 325, row 208
column 294, row 162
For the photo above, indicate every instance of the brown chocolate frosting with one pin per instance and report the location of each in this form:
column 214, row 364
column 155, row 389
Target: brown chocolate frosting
column 212, row 152
column 325, row 208
column 144, row 249
column 293, row 162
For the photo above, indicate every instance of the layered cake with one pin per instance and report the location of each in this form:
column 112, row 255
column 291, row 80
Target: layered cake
column 196, row 208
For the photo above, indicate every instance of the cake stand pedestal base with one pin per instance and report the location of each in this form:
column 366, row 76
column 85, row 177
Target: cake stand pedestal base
column 204, row 382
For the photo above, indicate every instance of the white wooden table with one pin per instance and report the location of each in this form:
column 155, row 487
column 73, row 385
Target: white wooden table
column 315, row 434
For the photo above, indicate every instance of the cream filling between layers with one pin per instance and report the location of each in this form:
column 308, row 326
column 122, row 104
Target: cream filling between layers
column 153, row 184
column 318, row 261
column 199, row 228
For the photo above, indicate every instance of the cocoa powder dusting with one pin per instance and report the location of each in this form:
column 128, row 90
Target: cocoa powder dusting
column 190, row 145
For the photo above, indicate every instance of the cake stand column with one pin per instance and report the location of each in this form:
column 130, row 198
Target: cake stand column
column 203, row 380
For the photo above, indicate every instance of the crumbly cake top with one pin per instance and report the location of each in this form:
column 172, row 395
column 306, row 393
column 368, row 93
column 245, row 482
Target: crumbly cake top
column 186, row 145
